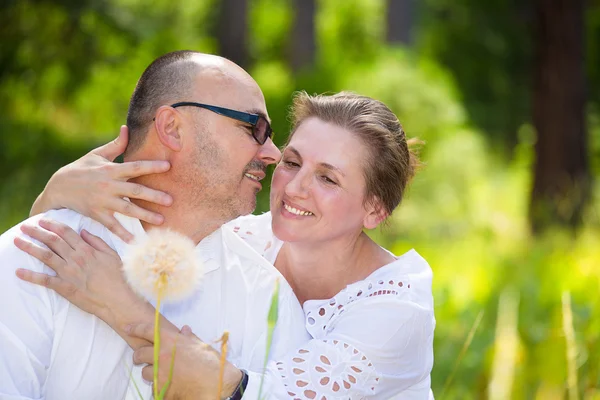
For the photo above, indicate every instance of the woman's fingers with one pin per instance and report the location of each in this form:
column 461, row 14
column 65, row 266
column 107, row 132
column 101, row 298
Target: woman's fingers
column 63, row 288
column 138, row 191
column 66, row 233
column 111, row 223
column 114, row 148
column 97, row 243
column 134, row 169
column 50, row 239
column 125, row 207
column 46, row 256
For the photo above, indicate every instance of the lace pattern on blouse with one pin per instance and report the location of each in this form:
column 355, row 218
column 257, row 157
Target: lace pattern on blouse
column 319, row 320
column 328, row 370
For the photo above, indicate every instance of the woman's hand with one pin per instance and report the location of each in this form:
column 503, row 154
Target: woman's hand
column 196, row 369
column 88, row 274
column 95, row 186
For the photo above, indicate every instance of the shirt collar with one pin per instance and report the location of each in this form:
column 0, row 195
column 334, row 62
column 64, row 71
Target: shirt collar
column 207, row 249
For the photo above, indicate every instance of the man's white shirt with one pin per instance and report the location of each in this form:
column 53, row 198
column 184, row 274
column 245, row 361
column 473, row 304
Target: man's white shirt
column 50, row 349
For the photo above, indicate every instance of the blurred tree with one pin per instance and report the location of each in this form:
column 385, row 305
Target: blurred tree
column 562, row 179
column 487, row 47
column 232, row 31
column 303, row 35
column 400, row 20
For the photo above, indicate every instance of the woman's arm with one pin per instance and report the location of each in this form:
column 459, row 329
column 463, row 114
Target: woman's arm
column 95, row 186
column 380, row 348
column 377, row 349
column 88, row 274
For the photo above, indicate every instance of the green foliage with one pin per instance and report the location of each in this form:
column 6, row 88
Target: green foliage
column 68, row 69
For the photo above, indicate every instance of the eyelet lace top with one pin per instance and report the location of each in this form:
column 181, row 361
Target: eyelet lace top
column 372, row 340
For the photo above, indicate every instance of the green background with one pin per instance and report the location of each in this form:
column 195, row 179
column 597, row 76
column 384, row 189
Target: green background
column 461, row 84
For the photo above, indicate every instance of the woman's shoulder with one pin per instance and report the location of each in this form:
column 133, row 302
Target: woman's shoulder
column 402, row 287
column 409, row 277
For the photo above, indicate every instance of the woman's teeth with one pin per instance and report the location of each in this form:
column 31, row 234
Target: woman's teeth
column 253, row 177
column 294, row 211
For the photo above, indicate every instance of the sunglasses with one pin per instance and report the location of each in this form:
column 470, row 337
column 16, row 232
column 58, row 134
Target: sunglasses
column 261, row 129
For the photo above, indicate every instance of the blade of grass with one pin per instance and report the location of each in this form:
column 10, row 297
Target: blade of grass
column 571, row 346
column 271, row 322
column 130, row 372
column 163, row 392
column 505, row 347
column 462, row 353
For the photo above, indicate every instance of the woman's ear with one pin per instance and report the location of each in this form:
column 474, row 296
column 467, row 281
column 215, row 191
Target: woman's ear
column 376, row 214
column 168, row 123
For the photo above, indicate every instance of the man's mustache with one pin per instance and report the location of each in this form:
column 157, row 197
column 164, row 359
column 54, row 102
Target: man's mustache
column 256, row 165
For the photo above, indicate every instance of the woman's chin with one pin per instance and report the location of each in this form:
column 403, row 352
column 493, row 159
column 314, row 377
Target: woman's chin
column 285, row 233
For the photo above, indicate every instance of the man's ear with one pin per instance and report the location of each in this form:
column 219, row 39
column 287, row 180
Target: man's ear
column 376, row 214
column 168, row 125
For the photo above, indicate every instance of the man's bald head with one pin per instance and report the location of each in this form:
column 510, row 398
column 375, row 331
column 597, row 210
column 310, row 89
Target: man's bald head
column 169, row 79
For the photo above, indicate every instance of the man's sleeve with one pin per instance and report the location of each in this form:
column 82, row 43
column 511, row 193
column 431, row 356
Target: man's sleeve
column 26, row 324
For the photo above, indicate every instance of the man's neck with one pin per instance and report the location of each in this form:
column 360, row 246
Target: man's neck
column 184, row 215
column 195, row 227
column 188, row 215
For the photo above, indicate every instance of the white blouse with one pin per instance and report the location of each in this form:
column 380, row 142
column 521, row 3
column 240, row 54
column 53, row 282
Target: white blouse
column 373, row 340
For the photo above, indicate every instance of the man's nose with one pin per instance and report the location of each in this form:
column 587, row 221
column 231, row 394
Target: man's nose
column 269, row 153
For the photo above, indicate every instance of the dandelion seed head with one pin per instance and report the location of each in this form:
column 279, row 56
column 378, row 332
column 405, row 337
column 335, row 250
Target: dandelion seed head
column 163, row 261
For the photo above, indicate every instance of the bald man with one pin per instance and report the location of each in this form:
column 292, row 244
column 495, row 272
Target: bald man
column 208, row 118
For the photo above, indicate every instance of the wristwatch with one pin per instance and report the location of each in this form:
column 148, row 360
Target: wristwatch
column 239, row 391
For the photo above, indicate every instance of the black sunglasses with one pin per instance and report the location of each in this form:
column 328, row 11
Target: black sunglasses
column 261, row 129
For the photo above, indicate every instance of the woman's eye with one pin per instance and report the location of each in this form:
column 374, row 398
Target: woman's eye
column 328, row 180
column 291, row 164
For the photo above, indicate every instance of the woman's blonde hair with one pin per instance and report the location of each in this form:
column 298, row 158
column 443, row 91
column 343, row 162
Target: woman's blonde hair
column 391, row 162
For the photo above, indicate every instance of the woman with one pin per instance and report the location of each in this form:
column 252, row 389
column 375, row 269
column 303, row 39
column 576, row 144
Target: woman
column 370, row 314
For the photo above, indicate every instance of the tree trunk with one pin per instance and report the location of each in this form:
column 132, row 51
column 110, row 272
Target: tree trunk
column 232, row 30
column 303, row 35
column 562, row 178
column 400, row 15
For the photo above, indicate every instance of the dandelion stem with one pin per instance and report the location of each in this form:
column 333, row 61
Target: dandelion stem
column 160, row 287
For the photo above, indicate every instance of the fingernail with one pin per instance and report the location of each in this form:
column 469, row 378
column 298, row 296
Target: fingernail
column 127, row 329
column 22, row 273
column 186, row 329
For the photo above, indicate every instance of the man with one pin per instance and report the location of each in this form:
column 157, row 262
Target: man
column 53, row 350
